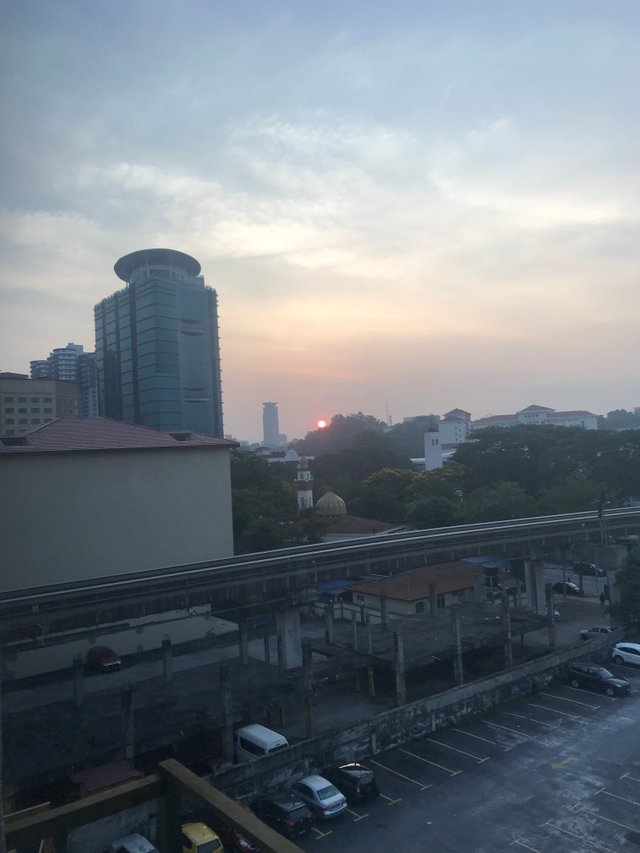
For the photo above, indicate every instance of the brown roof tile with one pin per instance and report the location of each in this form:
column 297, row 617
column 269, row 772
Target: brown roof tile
column 413, row 586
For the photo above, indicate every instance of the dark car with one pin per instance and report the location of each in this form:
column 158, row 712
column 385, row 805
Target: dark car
column 234, row 841
column 596, row 677
column 286, row 813
column 356, row 782
column 103, row 658
column 566, row 586
column 589, row 569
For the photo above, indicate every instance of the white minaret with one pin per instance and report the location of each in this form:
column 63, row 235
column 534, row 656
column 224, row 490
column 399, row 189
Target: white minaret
column 304, row 485
column 432, row 450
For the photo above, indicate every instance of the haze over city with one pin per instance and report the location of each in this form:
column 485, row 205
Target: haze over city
column 403, row 208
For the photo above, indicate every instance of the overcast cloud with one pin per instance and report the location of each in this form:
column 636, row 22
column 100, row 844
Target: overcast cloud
column 404, row 207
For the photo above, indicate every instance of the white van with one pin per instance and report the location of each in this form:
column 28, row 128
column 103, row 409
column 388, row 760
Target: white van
column 254, row 741
column 135, row 843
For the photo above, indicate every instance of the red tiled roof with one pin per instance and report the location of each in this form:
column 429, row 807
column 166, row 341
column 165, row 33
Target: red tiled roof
column 74, row 434
column 413, row 586
column 105, row 776
column 492, row 419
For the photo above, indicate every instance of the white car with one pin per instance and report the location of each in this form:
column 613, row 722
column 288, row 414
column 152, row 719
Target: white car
column 322, row 797
column 626, row 653
column 594, row 631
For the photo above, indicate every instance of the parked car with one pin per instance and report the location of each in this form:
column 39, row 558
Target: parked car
column 356, row 782
column 134, row 843
column 322, row 797
column 594, row 631
column 286, row 813
column 197, row 837
column 589, row 569
column 103, row 658
column 566, row 586
column 626, row 653
column 232, row 840
column 596, row 677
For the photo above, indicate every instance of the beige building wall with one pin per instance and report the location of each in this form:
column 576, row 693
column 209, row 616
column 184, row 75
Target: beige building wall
column 26, row 404
column 77, row 515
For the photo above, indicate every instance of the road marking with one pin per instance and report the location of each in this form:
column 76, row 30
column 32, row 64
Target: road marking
column 532, row 720
column 461, row 751
column 401, row 775
column 526, row 846
column 319, row 833
column 477, row 737
column 618, row 797
column 627, row 776
column 580, row 837
column 610, row 820
column 560, row 764
column 506, row 728
column 433, row 763
column 391, row 802
column 573, row 701
column 357, row 816
column 554, row 711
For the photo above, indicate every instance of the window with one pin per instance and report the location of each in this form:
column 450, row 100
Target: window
column 8, row 410
column 420, row 607
column 46, row 399
column 35, row 420
column 35, row 411
column 11, row 432
column 22, row 411
column 10, row 421
column 22, row 399
column 48, row 411
column 35, row 399
column 8, row 399
column 23, row 421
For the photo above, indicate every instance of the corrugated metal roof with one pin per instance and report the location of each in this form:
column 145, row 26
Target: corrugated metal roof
column 414, row 586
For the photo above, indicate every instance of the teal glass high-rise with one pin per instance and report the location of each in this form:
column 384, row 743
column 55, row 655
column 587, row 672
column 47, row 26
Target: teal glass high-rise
column 158, row 347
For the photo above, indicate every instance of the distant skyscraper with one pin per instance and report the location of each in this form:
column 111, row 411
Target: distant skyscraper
column 272, row 437
column 157, row 345
column 72, row 364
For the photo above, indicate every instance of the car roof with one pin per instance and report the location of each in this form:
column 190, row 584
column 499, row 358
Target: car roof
column 630, row 645
column 199, row 832
column 315, row 781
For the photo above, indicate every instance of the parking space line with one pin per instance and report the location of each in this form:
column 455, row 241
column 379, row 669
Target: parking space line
column 533, row 720
column 455, row 749
column 526, row 846
column 610, row 820
column 580, row 837
column 554, row 711
column 507, row 729
column 390, row 802
column 618, row 797
column 432, row 763
column 628, row 776
column 477, row 737
column 573, row 701
column 357, row 816
column 319, row 833
column 401, row 775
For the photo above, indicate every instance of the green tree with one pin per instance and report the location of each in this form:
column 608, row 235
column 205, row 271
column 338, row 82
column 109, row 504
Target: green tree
column 341, row 434
column 493, row 503
column 408, row 437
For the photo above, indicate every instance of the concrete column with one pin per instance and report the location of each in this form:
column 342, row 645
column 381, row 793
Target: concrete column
column 518, row 594
column 506, row 627
column 458, row 670
column 227, row 709
column 329, row 624
column 534, row 580
column 78, row 681
column 369, row 637
column 307, row 666
column 371, row 683
column 243, row 641
column 477, row 589
column 551, row 616
column 433, row 599
column 280, row 652
column 384, row 611
column 289, row 638
column 356, row 681
column 167, row 661
column 126, row 709
column 401, row 683
column 170, row 818
column 354, row 629
column 267, row 648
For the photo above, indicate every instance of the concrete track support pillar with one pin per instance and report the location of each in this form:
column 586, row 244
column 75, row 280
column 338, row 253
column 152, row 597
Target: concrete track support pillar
column 401, row 682
column 506, row 626
column 354, row 629
column 329, row 624
column 78, row 681
column 167, row 661
column 433, row 599
column 243, row 641
column 267, row 649
column 126, row 707
column 384, row 611
column 224, row 674
column 371, row 681
column 307, row 666
column 551, row 616
column 534, row 581
column 458, row 669
column 289, row 639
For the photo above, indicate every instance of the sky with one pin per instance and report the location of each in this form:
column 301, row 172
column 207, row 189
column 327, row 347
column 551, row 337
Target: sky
column 404, row 208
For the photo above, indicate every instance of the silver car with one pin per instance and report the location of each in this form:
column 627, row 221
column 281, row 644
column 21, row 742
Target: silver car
column 321, row 796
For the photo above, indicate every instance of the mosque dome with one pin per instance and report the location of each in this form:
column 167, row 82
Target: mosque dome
column 331, row 505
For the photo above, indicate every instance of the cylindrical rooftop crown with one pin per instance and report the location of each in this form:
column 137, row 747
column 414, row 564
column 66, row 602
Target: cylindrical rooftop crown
column 162, row 257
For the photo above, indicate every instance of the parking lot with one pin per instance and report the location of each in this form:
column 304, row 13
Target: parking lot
column 556, row 771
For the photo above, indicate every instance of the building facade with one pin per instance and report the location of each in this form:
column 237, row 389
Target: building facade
column 157, row 345
column 272, row 437
column 539, row 416
column 72, row 364
column 26, row 404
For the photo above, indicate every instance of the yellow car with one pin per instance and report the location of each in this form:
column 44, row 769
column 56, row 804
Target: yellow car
column 199, row 838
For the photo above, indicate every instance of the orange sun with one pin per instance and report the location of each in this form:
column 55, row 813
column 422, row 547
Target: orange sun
column 322, row 424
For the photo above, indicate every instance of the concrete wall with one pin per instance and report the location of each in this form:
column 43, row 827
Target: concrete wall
column 399, row 725
column 72, row 516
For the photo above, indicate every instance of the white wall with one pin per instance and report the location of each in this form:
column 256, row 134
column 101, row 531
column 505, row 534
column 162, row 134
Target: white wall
column 73, row 516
